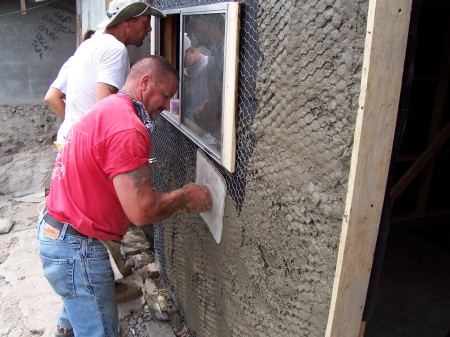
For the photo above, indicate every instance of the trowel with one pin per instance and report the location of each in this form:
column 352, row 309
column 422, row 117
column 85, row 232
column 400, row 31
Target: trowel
column 207, row 174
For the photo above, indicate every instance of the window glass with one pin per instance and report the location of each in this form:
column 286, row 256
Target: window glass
column 202, row 84
column 202, row 43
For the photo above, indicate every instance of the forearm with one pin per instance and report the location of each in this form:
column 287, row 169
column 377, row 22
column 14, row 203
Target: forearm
column 59, row 108
column 55, row 100
column 160, row 206
column 142, row 205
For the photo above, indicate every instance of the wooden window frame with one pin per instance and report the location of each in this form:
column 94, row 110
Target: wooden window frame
column 168, row 40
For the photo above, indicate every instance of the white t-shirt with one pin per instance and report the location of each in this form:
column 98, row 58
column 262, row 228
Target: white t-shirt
column 60, row 82
column 102, row 58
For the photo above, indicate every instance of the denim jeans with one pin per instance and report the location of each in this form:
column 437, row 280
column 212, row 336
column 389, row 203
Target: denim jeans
column 79, row 270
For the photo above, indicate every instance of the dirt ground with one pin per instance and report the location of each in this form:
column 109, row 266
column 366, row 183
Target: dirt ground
column 28, row 306
column 27, row 302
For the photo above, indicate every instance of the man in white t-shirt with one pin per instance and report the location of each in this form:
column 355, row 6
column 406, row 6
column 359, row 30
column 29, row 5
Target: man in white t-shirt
column 100, row 65
column 56, row 93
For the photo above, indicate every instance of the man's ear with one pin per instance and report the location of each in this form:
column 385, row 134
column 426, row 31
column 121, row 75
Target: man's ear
column 146, row 81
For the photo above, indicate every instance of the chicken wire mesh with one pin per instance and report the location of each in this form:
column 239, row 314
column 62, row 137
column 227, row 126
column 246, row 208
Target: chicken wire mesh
column 177, row 154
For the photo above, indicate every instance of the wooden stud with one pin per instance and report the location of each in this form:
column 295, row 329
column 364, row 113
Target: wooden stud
column 23, row 7
column 362, row 329
column 228, row 155
column 381, row 80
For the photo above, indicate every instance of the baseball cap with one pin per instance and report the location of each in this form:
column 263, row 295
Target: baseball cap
column 121, row 10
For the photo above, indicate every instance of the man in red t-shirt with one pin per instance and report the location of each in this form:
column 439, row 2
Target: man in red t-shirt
column 101, row 183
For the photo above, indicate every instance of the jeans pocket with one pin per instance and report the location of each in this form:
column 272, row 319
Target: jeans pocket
column 60, row 275
column 98, row 265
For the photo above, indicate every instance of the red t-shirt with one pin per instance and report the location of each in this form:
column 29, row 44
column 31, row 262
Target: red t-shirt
column 107, row 141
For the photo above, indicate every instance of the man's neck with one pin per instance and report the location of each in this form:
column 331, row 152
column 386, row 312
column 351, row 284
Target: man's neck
column 132, row 92
column 117, row 32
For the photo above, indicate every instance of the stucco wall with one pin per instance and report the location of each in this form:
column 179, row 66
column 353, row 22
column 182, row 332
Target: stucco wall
column 272, row 274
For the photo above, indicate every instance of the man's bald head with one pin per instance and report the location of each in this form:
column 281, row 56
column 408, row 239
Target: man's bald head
column 153, row 81
column 156, row 66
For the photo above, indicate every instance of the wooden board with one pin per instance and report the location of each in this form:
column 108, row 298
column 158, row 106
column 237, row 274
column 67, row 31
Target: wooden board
column 385, row 46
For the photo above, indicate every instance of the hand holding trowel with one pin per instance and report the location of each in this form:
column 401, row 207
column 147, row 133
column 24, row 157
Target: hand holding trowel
column 199, row 196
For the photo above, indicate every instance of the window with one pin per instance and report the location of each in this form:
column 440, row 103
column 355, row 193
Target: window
column 202, row 44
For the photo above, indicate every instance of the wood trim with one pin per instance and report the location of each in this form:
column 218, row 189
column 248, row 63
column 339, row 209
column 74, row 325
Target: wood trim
column 171, row 40
column 384, row 54
column 362, row 329
column 23, row 7
column 230, row 92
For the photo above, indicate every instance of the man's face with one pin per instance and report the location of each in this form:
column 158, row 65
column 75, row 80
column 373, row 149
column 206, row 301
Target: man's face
column 156, row 97
column 138, row 30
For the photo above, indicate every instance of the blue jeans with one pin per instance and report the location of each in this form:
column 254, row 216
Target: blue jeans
column 79, row 270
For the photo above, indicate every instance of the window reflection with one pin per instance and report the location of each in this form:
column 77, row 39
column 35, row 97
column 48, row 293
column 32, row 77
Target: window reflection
column 203, row 62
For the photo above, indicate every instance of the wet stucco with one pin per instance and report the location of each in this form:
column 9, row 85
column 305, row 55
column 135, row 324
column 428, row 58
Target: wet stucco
column 272, row 274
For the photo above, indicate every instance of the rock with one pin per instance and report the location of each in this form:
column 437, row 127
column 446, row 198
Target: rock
column 141, row 260
column 27, row 172
column 34, row 198
column 162, row 303
column 149, row 271
column 158, row 314
column 150, row 292
column 6, row 225
column 134, row 242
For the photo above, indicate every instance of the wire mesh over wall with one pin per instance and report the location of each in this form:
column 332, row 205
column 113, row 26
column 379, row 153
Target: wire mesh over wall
column 177, row 154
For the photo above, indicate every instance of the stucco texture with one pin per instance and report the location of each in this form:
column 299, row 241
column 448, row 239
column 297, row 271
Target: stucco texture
column 272, row 274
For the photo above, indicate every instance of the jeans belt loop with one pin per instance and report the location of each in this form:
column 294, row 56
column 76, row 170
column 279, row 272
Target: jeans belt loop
column 63, row 230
